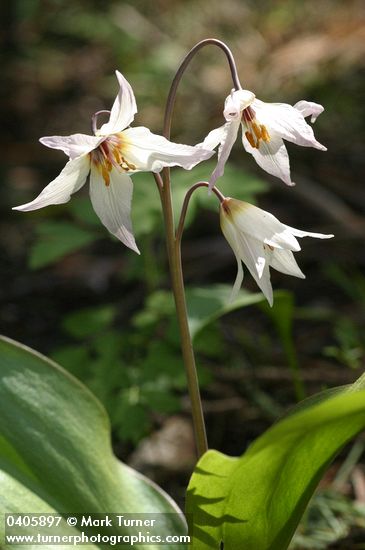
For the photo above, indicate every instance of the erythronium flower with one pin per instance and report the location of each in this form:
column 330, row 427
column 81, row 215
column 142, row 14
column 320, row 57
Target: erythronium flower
column 264, row 126
column 110, row 156
column 260, row 240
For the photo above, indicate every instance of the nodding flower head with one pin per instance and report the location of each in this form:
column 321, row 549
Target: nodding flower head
column 264, row 127
column 260, row 241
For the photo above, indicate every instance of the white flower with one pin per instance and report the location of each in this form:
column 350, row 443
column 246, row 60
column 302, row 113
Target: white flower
column 264, row 126
column 260, row 240
column 114, row 152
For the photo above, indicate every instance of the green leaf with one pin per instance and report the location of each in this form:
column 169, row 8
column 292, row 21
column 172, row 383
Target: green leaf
column 76, row 359
column 160, row 400
column 54, row 240
column 267, row 489
column 206, row 304
column 89, row 321
column 16, row 498
column 282, row 315
column 158, row 305
column 206, row 499
column 55, row 448
column 130, row 417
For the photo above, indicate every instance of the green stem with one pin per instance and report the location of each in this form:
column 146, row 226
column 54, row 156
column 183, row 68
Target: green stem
column 174, row 251
column 174, row 255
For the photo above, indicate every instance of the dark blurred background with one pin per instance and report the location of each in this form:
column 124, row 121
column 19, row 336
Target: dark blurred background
column 72, row 292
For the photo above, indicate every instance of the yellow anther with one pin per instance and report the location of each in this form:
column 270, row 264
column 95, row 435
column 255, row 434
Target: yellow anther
column 127, row 166
column 257, row 130
column 251, row 139
column 105, row 174
column 264, row 133
column 117, row 156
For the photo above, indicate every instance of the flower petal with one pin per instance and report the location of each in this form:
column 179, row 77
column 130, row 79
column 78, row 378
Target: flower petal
column 123, row 110
column 253, row 256
column 75, row 145
column 150, row 152
column 228, row 137
column 112, row 203
column 286, row 121
column 272, row 156
column 251, row 252
column 59, row 191
column 214, row 138
column 238, row 281
column 230, row 234
column 260, row 225
column 284, row 261
column 235, row 103
column 309, row 108
column 300, row 233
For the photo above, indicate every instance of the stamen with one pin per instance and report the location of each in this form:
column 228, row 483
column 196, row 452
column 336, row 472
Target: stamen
column 105, row 174
column 118, row 157
column 254, row 129
column 104, row 149
column 264, row 133
column 248, row 114
column 109, row 155
column 251, row 140
column 257, row 130
column 127, row 165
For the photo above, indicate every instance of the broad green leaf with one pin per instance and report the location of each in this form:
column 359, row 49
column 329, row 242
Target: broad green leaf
column 270, row 485
column 55, row 444
column 55, row 239
column 206, row 499
column 18, row 499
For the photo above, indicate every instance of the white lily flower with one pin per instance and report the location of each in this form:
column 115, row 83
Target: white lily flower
column 260, row 240
column 110, row 156
column 264, row 127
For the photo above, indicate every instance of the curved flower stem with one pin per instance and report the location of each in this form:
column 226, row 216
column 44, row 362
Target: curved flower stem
column 174, row 251
column 179, row 73
column 184, row 208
